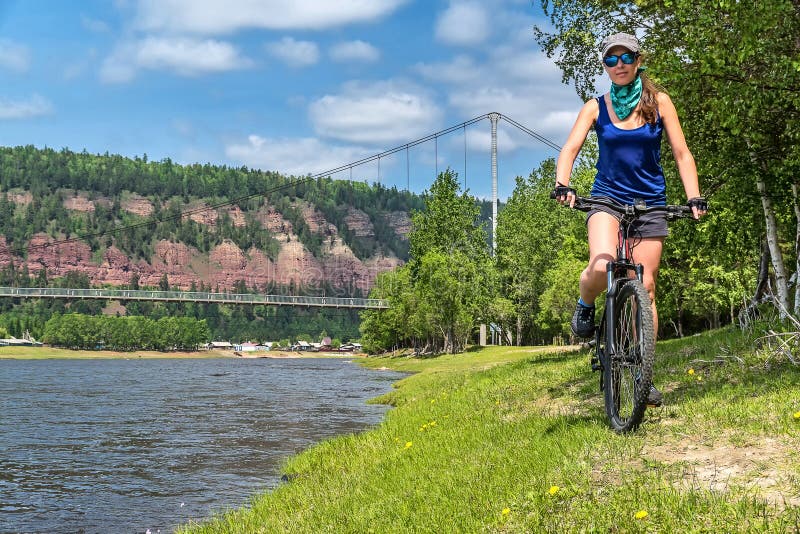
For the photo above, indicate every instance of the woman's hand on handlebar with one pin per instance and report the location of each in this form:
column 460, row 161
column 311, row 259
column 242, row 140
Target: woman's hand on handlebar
column 564, row 194
column 699, row 206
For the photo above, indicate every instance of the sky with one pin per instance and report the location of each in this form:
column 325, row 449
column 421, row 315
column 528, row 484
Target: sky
column 295, row 86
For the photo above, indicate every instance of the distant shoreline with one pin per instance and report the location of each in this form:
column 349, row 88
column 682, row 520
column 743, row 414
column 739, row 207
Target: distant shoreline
column 51, row 353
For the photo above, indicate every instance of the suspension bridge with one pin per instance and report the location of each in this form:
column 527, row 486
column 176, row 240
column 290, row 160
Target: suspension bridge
column 275, row 300
column 192, row 296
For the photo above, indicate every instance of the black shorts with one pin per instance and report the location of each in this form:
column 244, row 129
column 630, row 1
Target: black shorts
column 648, row 225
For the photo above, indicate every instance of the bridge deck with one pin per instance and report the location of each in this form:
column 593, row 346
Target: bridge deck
column 191, row 296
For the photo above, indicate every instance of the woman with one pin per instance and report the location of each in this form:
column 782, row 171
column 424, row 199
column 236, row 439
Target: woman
column 629, row 121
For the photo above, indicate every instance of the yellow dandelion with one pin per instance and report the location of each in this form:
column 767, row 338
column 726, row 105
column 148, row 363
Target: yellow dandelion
column 691, row 371
column 553, row 490
column 506, row 511
column 641, row 514
column 422, row 428
column 432, row 423
column 797, row 415
column 699, row 378
column 409, row 444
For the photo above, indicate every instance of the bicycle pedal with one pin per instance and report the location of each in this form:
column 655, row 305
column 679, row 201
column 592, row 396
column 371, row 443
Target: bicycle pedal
column 596, row 364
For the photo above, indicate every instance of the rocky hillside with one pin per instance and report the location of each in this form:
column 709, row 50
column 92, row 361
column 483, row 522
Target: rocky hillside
column 115, row 219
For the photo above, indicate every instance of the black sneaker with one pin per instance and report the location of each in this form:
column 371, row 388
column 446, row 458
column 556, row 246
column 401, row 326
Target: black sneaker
column 654, row 398
column 583, row 321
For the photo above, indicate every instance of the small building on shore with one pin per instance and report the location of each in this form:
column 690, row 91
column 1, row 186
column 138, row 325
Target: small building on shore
column 219, row 345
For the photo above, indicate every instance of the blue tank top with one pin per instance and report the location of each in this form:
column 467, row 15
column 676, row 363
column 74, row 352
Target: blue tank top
column 629, row 165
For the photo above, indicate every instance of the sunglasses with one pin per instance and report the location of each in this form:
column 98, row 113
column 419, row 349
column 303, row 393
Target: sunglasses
column 627, row 58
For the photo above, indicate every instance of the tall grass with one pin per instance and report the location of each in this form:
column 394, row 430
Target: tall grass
column 515, row 440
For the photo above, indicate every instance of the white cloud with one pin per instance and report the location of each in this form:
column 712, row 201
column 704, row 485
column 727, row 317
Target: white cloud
column 294, row 53
column 462, row 69
column 354, row 51
column 23, row 109
column 380, row 113
column 184, row 56
column 517, row 82
column 292, row 156
column 463, row 24
column 215, row 17
column 14, row 56
column 551, row 119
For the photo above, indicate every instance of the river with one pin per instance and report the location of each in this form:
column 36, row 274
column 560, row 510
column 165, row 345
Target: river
column 134, row 444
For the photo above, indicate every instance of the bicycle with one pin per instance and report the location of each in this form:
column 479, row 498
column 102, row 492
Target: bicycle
column 624, row 343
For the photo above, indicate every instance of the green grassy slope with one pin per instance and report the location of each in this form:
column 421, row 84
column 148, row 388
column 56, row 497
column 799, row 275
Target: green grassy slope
column 515, row 440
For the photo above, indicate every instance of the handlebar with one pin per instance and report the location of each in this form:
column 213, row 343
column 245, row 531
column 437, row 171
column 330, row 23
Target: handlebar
column 631, row 210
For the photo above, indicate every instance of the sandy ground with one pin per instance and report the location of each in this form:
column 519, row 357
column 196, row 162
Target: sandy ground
column 40, row 353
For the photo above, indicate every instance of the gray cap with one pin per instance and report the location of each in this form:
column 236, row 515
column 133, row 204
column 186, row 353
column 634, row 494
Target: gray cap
column 619, row 39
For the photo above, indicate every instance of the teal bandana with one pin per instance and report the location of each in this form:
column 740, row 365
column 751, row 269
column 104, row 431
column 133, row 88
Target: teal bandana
column 624, row 98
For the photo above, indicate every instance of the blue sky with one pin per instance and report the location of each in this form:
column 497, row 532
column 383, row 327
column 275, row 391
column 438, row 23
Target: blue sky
column 297, row 86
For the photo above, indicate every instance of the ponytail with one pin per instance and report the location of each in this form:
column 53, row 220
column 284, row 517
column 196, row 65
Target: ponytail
column 649, row 100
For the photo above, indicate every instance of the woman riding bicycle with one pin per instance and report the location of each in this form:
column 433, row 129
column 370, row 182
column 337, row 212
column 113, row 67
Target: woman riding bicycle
column 629, row 121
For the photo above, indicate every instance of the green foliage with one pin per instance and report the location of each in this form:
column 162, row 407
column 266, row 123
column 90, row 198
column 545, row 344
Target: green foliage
column 538, row 245
column 438, row 298
column 76, row 331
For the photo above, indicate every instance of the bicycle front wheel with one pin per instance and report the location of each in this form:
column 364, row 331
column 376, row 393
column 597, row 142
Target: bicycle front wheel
column 628, row 373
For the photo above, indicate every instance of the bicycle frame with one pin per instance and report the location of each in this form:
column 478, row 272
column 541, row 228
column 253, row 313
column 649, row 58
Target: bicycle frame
column 617, row 273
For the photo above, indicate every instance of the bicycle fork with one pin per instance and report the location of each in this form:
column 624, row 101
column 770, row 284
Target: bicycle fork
column 604, row 352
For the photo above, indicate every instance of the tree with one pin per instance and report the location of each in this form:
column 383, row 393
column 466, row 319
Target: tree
column 449, row 222
column 531, row 228
column 436, row 299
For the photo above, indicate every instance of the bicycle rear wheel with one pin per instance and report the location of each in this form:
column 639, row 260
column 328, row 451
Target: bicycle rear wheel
column 628, row 372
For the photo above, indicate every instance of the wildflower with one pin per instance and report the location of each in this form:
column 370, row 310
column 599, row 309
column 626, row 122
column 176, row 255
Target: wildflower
column 691, row 371
column 506, row 511
column 433, row 400
column 699, row 378
column 641, row 514
column 409, row 444
column 553, row 490
column 797, row 415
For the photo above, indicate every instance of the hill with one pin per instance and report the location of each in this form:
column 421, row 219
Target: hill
column 113, row 219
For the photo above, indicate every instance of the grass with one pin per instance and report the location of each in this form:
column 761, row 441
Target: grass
column 515, row 440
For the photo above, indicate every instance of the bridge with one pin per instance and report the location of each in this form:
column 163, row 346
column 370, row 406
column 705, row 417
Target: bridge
column 192, row 296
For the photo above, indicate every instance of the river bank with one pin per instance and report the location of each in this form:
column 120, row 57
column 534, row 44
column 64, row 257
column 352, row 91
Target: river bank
column 515, row 439
column 45, row 353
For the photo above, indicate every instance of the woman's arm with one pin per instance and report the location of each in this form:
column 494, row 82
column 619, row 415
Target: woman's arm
column 575, row 140
column 683, row 157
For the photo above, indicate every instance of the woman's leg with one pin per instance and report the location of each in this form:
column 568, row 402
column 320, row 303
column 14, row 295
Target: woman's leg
column 603, row 236
column 648, row 253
